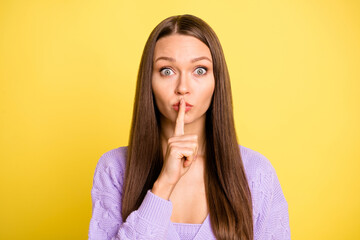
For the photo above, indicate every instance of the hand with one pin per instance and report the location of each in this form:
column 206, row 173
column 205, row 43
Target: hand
column 180, row 153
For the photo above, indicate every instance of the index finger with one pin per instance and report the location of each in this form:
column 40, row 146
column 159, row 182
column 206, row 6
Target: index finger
column 179, row 125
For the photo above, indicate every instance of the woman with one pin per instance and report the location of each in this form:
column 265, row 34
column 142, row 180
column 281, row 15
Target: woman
column 183, row 175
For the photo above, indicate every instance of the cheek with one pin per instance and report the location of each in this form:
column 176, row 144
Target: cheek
column 160, row 95
column 156, row 89
column 208, row 91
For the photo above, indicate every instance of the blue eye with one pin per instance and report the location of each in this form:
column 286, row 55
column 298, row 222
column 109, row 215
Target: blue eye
column 201, row 70
column 166, row 71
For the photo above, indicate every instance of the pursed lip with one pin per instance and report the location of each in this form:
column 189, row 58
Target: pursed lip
column 187, row 104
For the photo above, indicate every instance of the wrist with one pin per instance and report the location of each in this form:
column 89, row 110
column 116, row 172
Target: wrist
column 162, row 189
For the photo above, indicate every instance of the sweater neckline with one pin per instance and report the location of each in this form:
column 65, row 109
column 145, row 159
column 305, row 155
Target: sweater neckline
column 203, row 229
column 191, row 224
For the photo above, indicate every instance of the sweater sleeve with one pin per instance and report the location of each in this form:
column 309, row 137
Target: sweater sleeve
column 273, row 220
column 150, row 221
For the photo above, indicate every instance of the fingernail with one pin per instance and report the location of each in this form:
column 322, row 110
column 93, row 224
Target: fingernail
column 181, row 101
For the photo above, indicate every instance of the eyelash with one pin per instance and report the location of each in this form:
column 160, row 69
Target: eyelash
column 205, row 68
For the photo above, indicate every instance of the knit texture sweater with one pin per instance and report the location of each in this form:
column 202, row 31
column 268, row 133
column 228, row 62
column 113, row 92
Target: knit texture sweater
column 152, row 219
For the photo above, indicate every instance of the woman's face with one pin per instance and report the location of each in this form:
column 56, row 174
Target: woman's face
column 182, row 68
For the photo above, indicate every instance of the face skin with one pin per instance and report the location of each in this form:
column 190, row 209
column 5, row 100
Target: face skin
column 182, row 77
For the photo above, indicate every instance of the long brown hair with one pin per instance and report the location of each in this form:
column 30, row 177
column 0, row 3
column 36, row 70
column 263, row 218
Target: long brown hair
column 227, row 191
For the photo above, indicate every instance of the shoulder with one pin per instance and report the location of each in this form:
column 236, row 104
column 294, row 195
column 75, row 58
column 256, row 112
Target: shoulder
column 270, row 208
column 114, row 158
column 112, row 164
column 255, row 163
column 260, row 174
column 262, row 179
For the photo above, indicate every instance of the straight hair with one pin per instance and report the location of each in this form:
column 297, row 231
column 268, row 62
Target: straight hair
column 227, row 191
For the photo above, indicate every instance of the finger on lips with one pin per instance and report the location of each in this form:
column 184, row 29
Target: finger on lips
column 179, row 125
column 179, row 136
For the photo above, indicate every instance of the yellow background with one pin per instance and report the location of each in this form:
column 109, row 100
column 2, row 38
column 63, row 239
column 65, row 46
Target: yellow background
column 67, row 83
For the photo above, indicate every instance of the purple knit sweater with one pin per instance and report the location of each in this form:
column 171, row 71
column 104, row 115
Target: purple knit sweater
column 152, row 219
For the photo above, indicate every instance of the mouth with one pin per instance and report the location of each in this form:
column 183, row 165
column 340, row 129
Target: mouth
column 178, row 104
column 188, row 107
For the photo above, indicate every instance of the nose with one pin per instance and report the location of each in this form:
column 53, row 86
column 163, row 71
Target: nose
column 182, row 86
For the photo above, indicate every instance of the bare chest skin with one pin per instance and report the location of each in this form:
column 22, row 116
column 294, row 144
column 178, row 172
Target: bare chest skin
column 189, row 197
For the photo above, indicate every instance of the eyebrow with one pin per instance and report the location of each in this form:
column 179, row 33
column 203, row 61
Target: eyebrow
column 193, row 60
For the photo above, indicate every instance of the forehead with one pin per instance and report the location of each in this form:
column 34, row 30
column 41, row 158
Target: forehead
column 181, row 47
